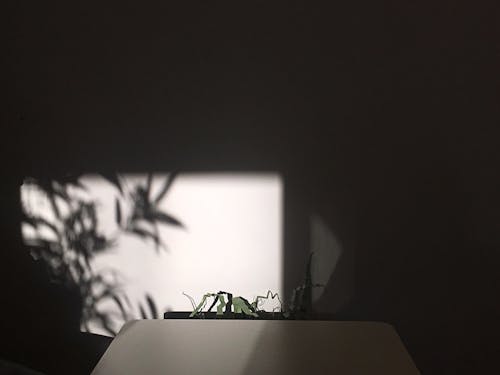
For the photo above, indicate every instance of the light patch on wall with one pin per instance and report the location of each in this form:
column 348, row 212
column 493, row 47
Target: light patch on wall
column 327, row 251
column 196, row 233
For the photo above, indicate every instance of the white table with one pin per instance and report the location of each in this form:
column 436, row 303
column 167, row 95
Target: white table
column 219, row 347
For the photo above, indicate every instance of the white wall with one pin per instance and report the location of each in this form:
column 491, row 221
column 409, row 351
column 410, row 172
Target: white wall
column 231, row 240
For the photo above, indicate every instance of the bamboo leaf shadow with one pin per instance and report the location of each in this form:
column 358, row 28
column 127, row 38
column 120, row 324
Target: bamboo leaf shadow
column 150, row 311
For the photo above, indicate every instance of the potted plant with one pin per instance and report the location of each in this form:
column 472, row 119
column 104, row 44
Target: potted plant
column 231, row 307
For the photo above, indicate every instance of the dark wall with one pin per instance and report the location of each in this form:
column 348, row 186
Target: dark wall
column 380, row 116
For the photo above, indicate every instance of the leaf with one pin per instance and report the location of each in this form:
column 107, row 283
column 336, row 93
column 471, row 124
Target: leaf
column 90, row 211
column 152, row 306
column 143, row 313
column 108, row 291
column 86, row 258
column 54, row 206
column 42, row 221
column 51, row 249
column 113, row 179
column 127, row 301
column 120, row 306
column 149, row 182
column 118, row 212
column 165, row 218
column 59, row 190
column 72, row 179
column 80, row 269
column 146, row 234
column 166, row 186
column 26, row 219
column 44, row 184
column 105, row 323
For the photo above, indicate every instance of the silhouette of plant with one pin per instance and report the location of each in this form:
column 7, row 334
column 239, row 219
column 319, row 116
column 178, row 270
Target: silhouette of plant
column 301, row 301
column 237, row 305
column 145, row 215
column 95, row 289
column 149, row 311
column 300, row 304
column 74, row 239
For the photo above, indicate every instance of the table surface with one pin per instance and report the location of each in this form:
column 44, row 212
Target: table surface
column 247, row 347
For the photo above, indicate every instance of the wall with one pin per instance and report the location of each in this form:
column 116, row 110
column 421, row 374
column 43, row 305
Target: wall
column 379, row 115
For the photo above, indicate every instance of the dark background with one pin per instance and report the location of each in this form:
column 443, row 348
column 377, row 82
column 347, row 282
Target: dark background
column 380, row 115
